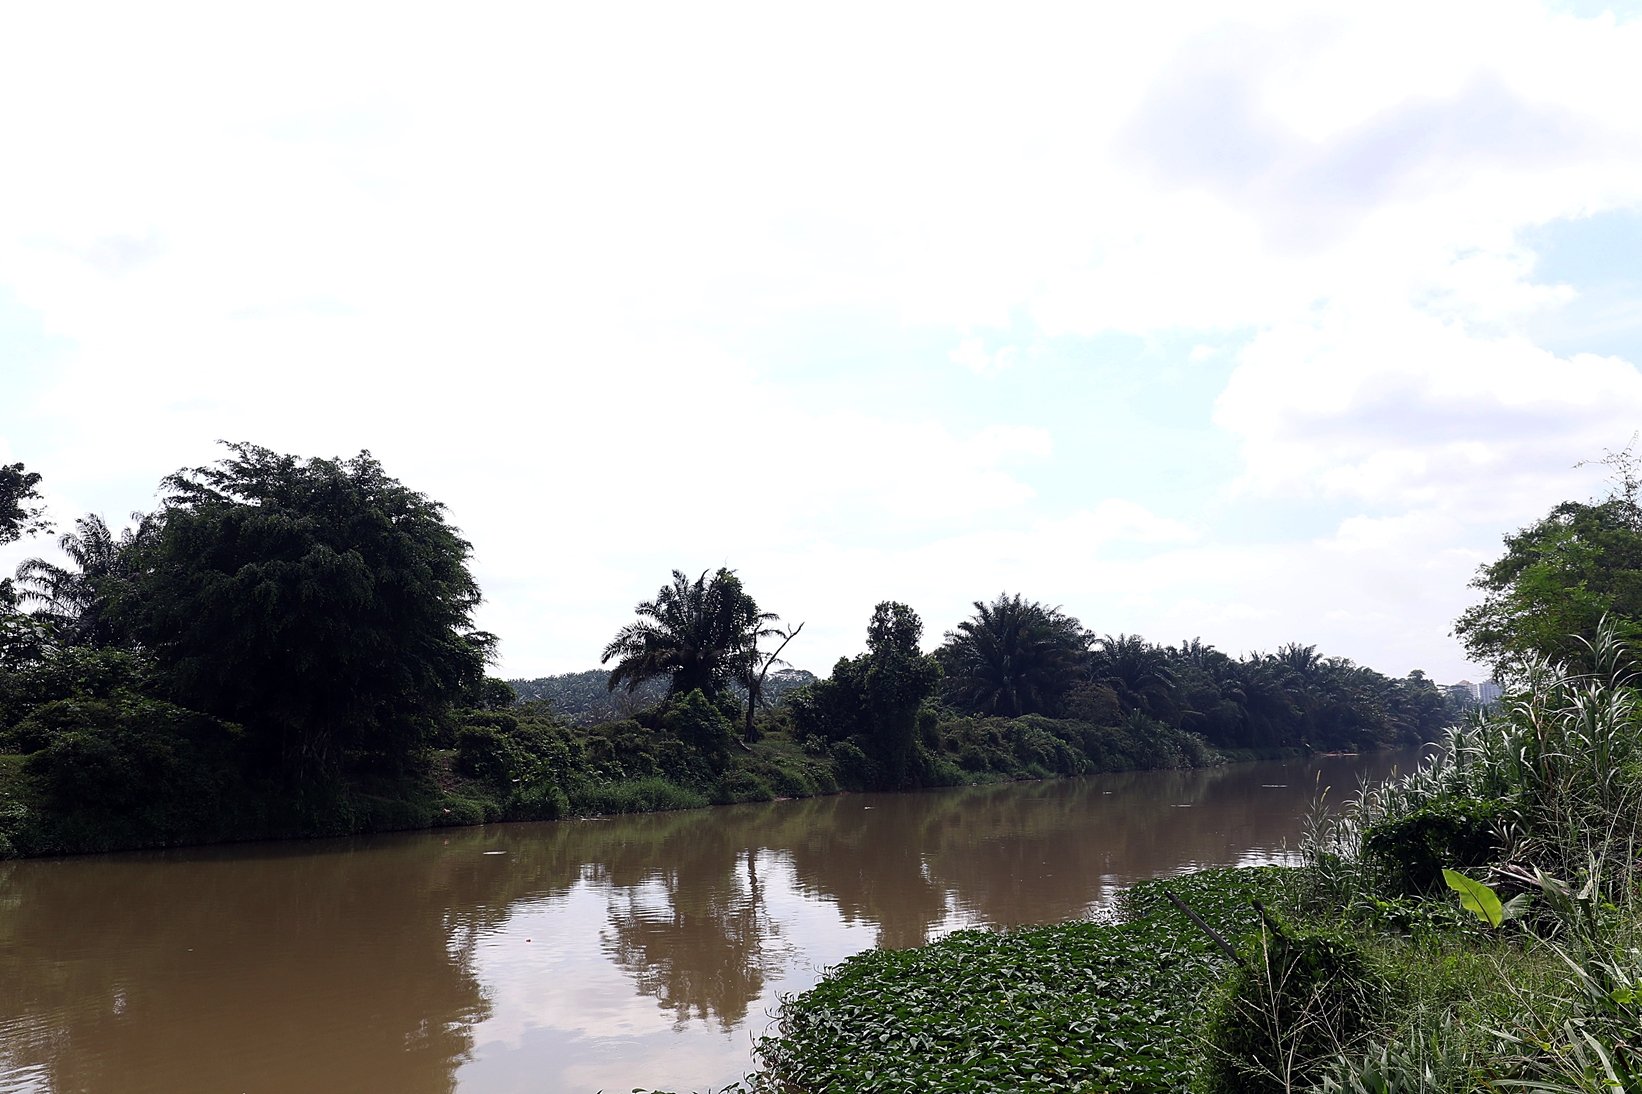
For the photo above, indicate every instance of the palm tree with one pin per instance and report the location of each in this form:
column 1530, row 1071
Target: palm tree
column 1140, row 674
column 1271, row 717
column 75, row 601
column 1013, row 657
column 699, row 634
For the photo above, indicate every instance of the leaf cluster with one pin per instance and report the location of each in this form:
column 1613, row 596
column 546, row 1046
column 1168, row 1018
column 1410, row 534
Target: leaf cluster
column 701, row 635
column 22, row 513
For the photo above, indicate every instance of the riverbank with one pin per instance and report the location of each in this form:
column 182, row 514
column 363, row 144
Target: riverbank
column 101, row 787
column 1472, row 924
column 1154, row 1002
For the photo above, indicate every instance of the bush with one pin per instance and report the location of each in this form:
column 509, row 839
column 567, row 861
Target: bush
column 505, row 751
column 1410, row 852
column 527, row 760
column 856, row 770
column 618, row 751
column 742, row 785
column 646, row 795
column 695, row 721
column 1296, row 1004
column 542, row 801
column 73, row 673
column 134, row 772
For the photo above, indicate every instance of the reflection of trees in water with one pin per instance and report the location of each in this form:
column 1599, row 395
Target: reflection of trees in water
column 865, row 854
column 704, row 951
column 687, row 915
column 1016, row 853
column 331, row 965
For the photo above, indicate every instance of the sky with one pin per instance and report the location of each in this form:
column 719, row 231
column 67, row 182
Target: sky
column 1260, row 323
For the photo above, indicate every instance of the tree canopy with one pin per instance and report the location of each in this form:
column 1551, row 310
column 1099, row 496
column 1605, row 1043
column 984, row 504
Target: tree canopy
column 875, row 698
column 320, row 603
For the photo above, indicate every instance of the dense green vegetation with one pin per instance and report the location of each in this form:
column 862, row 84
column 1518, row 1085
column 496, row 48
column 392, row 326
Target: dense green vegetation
column 1474, row 925
column 285, row 647
column 1084, row 1006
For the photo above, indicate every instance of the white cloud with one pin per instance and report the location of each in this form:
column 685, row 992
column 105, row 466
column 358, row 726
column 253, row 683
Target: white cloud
column 535, row 257
column 1396, row 408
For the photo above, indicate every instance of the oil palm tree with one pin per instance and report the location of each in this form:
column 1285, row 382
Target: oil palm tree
column 1013, row 657
column 1140, row 674
column 699, row 634
column 74, row 601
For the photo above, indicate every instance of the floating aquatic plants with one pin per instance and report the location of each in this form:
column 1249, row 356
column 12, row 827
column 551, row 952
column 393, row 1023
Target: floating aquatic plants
column 1083, row 1006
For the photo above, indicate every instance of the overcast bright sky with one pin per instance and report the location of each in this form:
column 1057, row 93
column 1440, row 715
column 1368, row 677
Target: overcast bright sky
column 1261, row 328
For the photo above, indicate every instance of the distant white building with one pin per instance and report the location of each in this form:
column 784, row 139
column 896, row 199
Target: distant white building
column 1482, row 694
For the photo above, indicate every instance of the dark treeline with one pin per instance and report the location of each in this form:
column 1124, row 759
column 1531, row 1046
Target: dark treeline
column 1015, row 657
column 285, row 647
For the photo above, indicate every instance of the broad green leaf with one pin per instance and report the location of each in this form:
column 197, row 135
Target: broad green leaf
column 1475, row 897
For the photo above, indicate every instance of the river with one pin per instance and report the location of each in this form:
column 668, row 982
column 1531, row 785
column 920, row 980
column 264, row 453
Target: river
column 568, row 956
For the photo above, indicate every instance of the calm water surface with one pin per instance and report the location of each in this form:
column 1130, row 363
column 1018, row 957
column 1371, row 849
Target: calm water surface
column 570, row 956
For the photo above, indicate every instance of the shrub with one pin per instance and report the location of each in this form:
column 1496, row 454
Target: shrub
column 741, row 785
column 1411, row 851
column 1298, row 1002
column 134, row 771
column 855, row 768
column 647, row 795
column 506, row 751
column 702, row 726
column 543, row 801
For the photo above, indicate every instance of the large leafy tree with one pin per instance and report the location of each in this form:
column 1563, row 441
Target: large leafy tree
column 896, row 678
column 700, row 635
column 320, row 603
column 1013, row 657
column 1555, row 582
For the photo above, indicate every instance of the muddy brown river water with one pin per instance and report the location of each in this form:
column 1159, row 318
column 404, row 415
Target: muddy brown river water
column 569, row 956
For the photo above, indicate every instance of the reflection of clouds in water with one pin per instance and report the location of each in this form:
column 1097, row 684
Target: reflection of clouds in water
column 561, row 1001
column 551, row 1059
column 557, row 980
column 925, row 865
column 1269, row 856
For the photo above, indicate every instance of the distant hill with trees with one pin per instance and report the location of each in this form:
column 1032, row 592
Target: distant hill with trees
column 585, row 698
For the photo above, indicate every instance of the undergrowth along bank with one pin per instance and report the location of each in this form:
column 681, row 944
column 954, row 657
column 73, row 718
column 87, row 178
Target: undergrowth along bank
column 119, row 771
